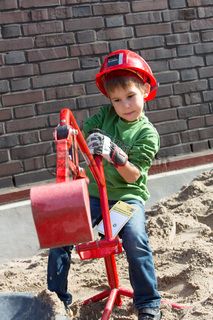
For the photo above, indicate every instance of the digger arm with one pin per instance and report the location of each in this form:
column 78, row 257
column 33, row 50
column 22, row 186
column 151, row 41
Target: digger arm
column 68, row 135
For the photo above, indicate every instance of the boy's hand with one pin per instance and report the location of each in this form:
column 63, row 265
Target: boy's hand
column 100, row 144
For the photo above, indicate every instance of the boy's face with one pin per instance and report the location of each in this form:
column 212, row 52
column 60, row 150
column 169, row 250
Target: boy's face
column 129, row 102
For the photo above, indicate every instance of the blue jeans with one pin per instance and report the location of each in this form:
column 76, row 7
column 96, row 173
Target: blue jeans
column 139, row 256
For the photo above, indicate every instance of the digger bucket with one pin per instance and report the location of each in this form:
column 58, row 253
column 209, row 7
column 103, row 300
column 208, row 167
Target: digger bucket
column 61, row 213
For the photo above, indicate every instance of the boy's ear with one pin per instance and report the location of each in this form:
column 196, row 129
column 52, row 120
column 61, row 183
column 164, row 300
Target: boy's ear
column 146, row 88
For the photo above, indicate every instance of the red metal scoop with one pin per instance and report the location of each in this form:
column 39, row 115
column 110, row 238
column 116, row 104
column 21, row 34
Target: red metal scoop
column 61, row 213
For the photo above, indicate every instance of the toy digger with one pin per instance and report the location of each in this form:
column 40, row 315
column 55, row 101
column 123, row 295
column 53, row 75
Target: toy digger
column 62, row 214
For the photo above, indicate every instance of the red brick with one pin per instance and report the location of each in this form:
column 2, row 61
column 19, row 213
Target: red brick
column 29, row 137
column 5, row 114
column 15, row 57
column 198, row 3
column 50, row 93
column 2, row 128
column 148, row 29
column 14, row 17
column 193, row 98
column 148, row 42
column 24, row 111
column 190, row 135
column 146, row 17
column 91, row 101
column 84, row 24
column 32, row 177
column 11, row 31
column 19, row 71
column 206, row 133
column 85, row 75
column 4, row 157
column 54, row 120
column 181, row 26
column 81, row 116
column 60, row 12
column 162, row 115
column 30, row 151
column 115, row 33
column 170, row 139
column 59, row 65
column 6, row 182
column 192, row 111
column 50, row 160
column 165, row 90
column 206, row 72
column 42, row 27
column 75, row 1
column 7, row 169
column 205, row 12
column 34, row 164
column 86, row 36
column 174, row 150
column 70, row 91
column 47, row 134
column 54, row 79
column 117, row 7
column 81, row 11
column 171, row 126
column 196, row 122
column 187, row 14
column 89, row 49
column 8, row 4
column 47, row 54
column 190, row 86
column 38, row 3
column 51, row 13
column 59, row 39
column 203, row 48
column 55, row 106
column 4, row 86
column 22, row 98
column 183, row 38
column 209, row 120
column 201, row 24
column 39, row 14
column 149, row 5
column 27, row 124
column 199, row 146
column 16, row 44
column 64, row 92
column 9, row 140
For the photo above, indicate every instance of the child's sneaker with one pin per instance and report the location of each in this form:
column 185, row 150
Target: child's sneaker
column 149, row 314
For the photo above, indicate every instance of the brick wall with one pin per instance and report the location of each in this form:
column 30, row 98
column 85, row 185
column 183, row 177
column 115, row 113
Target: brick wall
column 50, row 51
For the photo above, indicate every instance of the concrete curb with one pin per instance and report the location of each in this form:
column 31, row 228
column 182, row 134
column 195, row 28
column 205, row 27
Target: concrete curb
column 175, row 163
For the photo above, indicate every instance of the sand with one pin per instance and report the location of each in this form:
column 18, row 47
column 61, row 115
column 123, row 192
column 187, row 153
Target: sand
column 180, row 230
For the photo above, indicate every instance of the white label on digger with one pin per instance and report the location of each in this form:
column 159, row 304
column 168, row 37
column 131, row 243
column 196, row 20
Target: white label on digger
column 120, row 213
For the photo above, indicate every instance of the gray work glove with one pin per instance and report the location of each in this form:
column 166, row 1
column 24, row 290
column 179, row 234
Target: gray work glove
column 100, row 144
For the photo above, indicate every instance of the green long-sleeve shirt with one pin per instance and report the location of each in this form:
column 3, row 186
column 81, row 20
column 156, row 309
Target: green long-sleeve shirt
column 139, row 139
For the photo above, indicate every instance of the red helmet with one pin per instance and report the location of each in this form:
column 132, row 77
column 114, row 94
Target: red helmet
column 127, row 60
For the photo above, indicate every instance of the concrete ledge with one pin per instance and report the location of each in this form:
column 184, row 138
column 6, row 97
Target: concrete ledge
column 181, row 162
column 165, row 184
column 159, row 166
column 17, row 224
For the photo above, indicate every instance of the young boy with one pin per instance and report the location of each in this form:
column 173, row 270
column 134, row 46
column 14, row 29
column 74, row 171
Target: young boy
column 128, row 142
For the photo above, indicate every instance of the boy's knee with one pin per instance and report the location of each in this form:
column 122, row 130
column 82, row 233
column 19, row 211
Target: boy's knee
column 136, row 243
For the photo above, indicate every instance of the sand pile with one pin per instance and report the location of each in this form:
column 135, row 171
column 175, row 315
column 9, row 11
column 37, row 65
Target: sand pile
column 181, row 236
